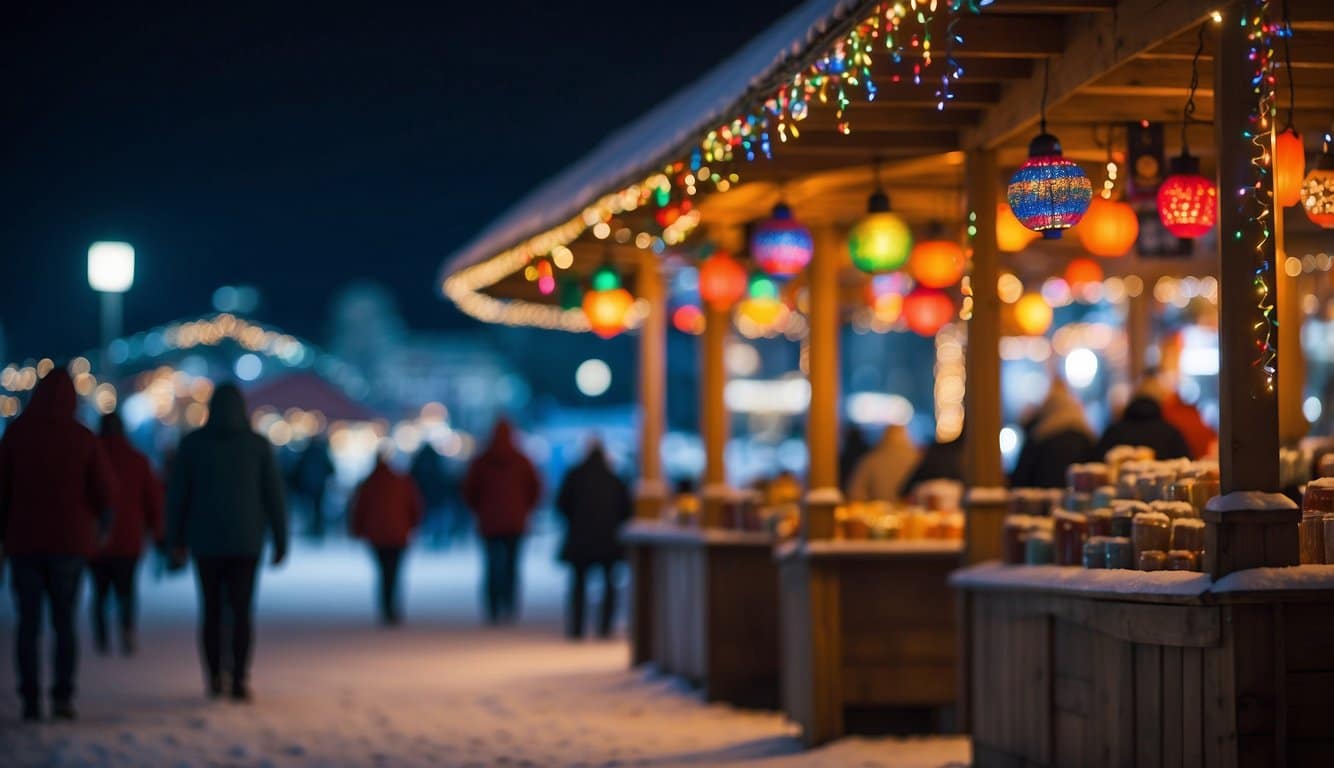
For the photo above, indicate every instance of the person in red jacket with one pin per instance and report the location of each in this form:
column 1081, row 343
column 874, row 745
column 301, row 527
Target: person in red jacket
column 136, row 514
column 385, row 511
column 501, row 488
column 56, row 491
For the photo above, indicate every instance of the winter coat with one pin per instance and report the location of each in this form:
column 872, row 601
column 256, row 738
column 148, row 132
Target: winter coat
column 55, row 481
column 1056, row 436
column 940, row 461
column 137, row 505
column 1200, row 437
column 1143, row 424
column 595, row 503
column 225, row 490
column 881, row 473
column 386, row 508
column 501, row 487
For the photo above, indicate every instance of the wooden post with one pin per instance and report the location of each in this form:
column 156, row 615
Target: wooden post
column 982, row 394
column 1139, row 325
column 651, row 493
column 713, row 416
column 1292, row 424
column 822, row 416
column 1248, row 409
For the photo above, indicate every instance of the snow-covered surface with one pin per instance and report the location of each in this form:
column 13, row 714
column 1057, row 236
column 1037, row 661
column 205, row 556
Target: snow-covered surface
column 332, row 690
column 988, row 495
column 1075, row 579
column 1269, row 579
column 1243, row 501
column 643, row 145
column 824, row 496
column 868, row 547
column 650, row 531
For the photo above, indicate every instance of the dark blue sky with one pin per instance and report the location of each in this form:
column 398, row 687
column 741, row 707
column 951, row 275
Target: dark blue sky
column 296, row 146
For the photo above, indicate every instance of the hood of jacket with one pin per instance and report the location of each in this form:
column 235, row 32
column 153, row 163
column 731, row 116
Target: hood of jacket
column 226, row 410
column 1060, row 412
column 1143, row 408
column 54, row 398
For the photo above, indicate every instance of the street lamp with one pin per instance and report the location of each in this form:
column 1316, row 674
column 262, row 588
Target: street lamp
column 110, row 273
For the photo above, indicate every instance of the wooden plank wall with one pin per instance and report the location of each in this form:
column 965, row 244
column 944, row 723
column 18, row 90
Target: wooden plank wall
column 741, row 626
column 642, row 608
column 678, row 623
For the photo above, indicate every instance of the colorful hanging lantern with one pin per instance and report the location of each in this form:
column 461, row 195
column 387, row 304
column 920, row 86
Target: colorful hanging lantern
column 1289, row 167
column 688, row 318
column 927, row 310
column 881, row 241
column 780, row 245
column 1032, row 314
column 607, row 304
column 1049, row 193
column 722, row 280
column 1109, row 228
column 1318, row 191
column 763, row 306
column 1082, row 272
column 936, row 263
column 1187, row 201
column 1011, row 234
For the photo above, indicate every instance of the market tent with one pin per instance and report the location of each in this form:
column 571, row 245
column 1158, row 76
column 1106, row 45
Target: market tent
column 309, row 392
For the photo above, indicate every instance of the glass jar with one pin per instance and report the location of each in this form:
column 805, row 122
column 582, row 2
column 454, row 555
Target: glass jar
column 1152, row 560
column 1318, row 498
column 1188, row 534
column 1311, row 540
column 1038, row 548
column 1325, row 466
column 1100, row 522
column 1182, row 560
column 1070, row 529
column 1095, row 552
column 1123, row 513
column 1127, row 485
column 1013, row 530
column 1120, row 552
column 1151, row 531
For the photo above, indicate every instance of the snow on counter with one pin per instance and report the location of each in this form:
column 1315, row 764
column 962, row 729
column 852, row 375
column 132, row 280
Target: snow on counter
column 1245, row 501
column 652, row 531
column 869, row 547
column 1274, row 579
column 1079, row 580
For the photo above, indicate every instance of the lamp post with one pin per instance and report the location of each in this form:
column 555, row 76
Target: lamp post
column 110, row 273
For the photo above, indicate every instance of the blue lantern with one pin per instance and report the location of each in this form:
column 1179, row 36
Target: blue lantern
column 781, row 246
column 1049, row 193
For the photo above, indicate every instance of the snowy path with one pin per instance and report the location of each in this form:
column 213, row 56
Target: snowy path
column 333, row 690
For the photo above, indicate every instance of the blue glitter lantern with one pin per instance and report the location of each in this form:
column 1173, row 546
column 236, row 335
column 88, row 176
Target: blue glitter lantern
column 1049, row 193
column 781, row 246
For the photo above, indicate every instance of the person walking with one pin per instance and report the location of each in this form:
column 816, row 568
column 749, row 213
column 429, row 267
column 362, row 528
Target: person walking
column 56, row 492
column 501, row 488
column 595, row 503
column 136, row 514
column 881, row 473
column 1055, row 436
column 225, row 493
column 386, row 509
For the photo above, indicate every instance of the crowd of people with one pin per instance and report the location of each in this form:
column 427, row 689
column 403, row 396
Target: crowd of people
column 72, row 501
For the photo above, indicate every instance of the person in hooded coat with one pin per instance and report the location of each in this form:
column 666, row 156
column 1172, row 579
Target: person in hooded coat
column 1055, row 436
column 501, row 488
column 595, row 503
column 940, row 461
column 386, row 509
column 136, row 515
column 1142, row 423
column 224, row 496
column 56, row 495
column 880, row 473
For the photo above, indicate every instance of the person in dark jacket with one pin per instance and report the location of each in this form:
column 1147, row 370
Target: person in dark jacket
column 940, row 461
column 56, row 491
column 224, row 495
column 310, row 477
column 386, row 509
column 595, row 503
column 501, row 488
column 1055, row 436
column 1142, row 423
column 136, row 515
column 853, row 450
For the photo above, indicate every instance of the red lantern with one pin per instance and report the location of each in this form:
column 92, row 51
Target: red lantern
column 936, row 263
column 1109, row 228
column 1187, row 202
column 1081, row 272
column 927, row 310
column 688, row 319
column 1289, row 167
column 722, row 280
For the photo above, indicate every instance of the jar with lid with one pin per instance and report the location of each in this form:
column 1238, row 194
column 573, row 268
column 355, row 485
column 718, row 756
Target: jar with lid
column 1095, row 552
column 1182, row 560
column 1188, row 534
column 1120, row 552
column 1151, row 531
column 1070, row 530
column 1100, row 522
column 1152, row 560
column 1013, row 530
column 1317, row 501
column 1038, row 547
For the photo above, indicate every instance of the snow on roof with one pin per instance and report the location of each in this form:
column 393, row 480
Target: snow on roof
column 650, row 141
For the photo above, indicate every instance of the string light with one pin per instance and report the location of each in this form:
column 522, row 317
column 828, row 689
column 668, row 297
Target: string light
column 1255, row 200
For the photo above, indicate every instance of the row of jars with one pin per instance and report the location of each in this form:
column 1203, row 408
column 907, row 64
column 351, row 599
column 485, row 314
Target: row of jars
column 1316, row 535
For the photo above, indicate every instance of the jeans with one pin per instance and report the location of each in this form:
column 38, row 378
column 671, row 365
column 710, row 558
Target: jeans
column 55, row 579
column 502, row 579
column 113, row 574
column 574, row 626
column 230, row 578
column 389, row 560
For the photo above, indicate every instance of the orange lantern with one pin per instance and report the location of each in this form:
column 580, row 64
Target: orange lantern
column 1289, row 167
column 1080, row 272
column 606, row 310
column 936, row 263
column 1011, row 235
column 927, row 310
column 1032, row 314
column 1109, row 228
column 722, row 280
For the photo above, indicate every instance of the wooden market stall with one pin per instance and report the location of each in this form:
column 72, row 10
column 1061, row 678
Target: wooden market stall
column 833, row 104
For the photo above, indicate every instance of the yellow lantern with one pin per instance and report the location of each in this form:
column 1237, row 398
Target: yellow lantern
column 1032, row 314
column 1011, row 235
column 1289, row 167
column 1109, row 228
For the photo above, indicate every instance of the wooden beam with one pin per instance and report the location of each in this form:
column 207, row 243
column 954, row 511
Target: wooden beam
column 868, row 142
column 1051, row 6
column 1091, row 46
column 982, row 394
column 1311, row 48
column 989, row 35
column 651, row 493
column 879, row 116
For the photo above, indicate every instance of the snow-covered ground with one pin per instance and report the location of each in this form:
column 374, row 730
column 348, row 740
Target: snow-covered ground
column 332, row 689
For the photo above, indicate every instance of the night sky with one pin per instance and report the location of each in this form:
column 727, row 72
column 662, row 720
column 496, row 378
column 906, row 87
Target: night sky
column 300, row 146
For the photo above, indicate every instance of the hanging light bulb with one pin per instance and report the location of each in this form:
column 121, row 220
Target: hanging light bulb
column 780, row 245
column 936, row 263
column 1048, row 193
column 881, row 241
column 927, row 310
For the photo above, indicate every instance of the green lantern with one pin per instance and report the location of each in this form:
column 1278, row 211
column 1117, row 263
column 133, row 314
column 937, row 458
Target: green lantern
column 881, row 241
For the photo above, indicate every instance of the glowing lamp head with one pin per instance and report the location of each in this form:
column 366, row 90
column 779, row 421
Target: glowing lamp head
column 1289, row 167
column 927, row 310
column 1109, row 228
column 1032, row 314
column 722, row 280
column 1049, row 193
column 1187, row 201
column 781, row 246
column 1318, row 191
column 936, row 263
column 110, row 267
column 881, row 241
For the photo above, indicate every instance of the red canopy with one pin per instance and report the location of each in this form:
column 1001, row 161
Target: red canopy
column 308, row 392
